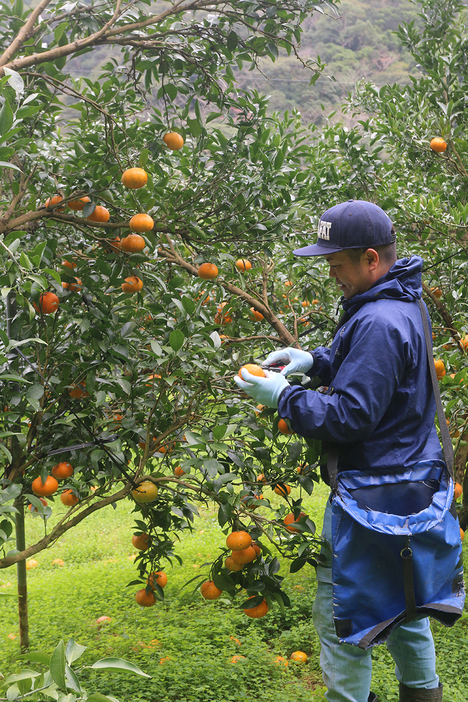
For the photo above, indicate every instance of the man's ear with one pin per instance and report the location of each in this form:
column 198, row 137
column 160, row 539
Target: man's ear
column 372, row 259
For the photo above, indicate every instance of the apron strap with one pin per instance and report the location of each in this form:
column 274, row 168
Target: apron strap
column 447, row 448
column 332, row 467
column 408, row 581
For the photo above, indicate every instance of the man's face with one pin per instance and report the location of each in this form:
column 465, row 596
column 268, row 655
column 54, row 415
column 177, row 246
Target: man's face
column 352, row 277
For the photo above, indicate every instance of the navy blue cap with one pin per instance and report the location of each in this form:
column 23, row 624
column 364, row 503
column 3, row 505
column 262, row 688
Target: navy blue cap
column 350, row 225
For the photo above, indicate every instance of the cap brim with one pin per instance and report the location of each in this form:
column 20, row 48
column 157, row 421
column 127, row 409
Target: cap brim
column 317, row 250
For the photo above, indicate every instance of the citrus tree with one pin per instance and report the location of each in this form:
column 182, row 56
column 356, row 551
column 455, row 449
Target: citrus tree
column 142, row 264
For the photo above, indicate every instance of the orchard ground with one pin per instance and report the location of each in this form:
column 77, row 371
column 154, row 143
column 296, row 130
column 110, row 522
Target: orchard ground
column 186, row 644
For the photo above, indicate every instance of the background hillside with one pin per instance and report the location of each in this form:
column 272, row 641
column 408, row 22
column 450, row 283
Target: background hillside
column 359, row 44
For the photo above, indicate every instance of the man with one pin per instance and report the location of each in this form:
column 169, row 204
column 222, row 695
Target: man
column 378, row 411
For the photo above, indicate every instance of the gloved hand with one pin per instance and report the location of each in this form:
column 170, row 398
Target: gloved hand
column 294, row 360
column 265, row 391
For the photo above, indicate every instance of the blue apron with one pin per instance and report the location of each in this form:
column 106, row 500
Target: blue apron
column 397, row 552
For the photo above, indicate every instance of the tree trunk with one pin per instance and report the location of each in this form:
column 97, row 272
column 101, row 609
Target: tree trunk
column 19, row 517
column 22, row 579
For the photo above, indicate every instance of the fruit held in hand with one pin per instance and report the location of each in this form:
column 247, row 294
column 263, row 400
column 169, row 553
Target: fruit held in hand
column 253, row 369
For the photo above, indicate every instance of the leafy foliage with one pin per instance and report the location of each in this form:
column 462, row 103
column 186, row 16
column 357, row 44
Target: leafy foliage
column 59, row 677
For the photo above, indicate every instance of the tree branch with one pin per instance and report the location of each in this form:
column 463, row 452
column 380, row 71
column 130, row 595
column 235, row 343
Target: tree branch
column 105, row 32
column 286, row 337
column 24, row 34
column 63, row 527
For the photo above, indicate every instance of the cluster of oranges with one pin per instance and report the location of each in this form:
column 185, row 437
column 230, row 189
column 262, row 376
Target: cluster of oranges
column 146, row 597
column 440, row 368
column 243, row 551
column 46, row 488
column 132, row 178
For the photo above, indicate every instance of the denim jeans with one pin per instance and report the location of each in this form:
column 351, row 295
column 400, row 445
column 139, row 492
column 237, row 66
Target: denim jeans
column 347, row 669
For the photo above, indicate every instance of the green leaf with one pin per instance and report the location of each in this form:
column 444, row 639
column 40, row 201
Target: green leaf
column 156, row 348
column 279, row 599
column 24, row 675
column 252, row 602
column 91, row 381
column 52, row 273
column 176, row 339
column 5, row 164
column 143, row 158
column 57, row 666
column 297, row 564
column 127, row 328
column 100, row 397
column 15, row 80
column 274, row 566
column 97, row 697
column 118, row 664
column 194, row 439
column 60, row 30
column 88, row 209
column 72, row 680
column 125, row 385
column 189, row 305
column 35, row 392
column 15, row 378
column 168, row 89
column 13, row 344
column 224, row 514
column 219, row 431
column 212, row 467
column 6, row 118
column 41, row 281
column 223, row 479
column 24, row 261
column 223, row 583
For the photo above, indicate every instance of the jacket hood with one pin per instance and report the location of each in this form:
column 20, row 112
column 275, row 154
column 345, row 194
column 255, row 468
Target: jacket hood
column 402, row 282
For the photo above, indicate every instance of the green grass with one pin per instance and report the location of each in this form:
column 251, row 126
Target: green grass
column 196, row 638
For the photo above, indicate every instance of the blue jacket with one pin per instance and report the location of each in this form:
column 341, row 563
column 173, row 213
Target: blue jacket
column 379, row 406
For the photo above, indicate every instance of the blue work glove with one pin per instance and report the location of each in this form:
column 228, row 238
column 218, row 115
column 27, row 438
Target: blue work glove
column 265, row 391
column 293, row 360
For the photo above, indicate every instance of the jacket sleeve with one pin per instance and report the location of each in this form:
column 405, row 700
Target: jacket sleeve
column 321, row 367
column 374, row 361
